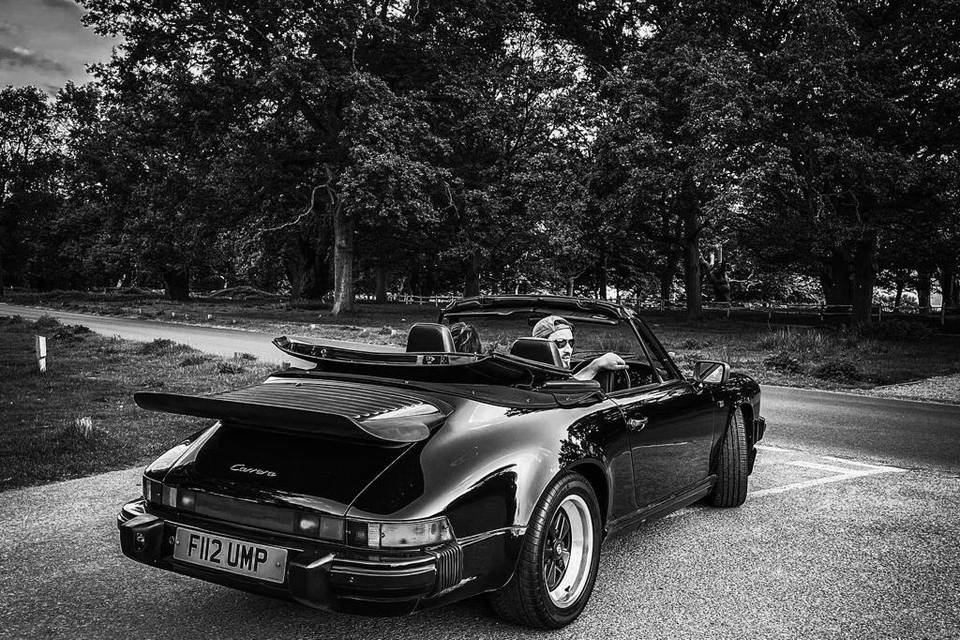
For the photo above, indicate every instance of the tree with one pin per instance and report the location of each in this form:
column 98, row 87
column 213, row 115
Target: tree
column 512, row 115
column 29, row 196
column 850, row 107
column 329, row 59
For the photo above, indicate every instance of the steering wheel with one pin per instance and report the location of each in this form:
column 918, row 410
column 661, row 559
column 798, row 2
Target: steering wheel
column 620, row 380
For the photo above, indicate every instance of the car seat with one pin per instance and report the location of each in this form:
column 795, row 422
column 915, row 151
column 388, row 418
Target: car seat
column 429, row 337
column 538, row 349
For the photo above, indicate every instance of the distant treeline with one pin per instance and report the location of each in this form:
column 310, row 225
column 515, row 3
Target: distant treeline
column 697, row 150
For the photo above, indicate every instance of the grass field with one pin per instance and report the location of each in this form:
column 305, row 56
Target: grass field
column 79, row 417
column 821, row 358
column 813, row 357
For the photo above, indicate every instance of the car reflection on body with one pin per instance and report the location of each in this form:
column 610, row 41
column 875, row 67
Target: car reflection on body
column 383, row 483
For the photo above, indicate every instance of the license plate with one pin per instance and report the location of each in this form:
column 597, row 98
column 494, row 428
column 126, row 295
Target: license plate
column 231, row 555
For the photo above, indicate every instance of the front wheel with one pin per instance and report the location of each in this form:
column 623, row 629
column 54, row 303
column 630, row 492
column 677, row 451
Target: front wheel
column 732, row 465
column 559, row 559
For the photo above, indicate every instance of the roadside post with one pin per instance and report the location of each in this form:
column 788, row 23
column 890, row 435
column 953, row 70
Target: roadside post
column 42, row 353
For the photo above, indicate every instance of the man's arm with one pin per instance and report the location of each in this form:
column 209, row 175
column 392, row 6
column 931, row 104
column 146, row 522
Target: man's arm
column 606, row 362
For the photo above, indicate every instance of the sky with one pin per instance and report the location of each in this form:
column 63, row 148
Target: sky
column 43, row 43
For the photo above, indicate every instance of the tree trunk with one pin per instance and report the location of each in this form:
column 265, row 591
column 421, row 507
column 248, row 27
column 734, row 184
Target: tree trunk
column 471, row 285
column 864, row 275
column 570, row 285
column 691, row 261
column 306, row 264
column 716, row 275
column 380, row 295
column 666, row 275
column 342, row 260
column 923, row 291
column 901, row 281
column 948, row 287
column 836, row 278
column 177, row 283
column 602, row 278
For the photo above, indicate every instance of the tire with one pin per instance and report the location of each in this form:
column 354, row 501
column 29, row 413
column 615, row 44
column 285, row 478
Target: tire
column 555, row 573
column 731, row 465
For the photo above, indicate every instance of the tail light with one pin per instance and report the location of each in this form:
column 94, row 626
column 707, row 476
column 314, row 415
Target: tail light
column 398, row 535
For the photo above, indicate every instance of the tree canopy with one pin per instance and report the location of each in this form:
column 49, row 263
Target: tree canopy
column 326, row 147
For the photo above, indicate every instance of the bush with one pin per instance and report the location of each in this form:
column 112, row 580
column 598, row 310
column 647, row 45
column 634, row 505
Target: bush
column 805, row 344
column 194, row 359
column 897, row 330
column 693, row 343
column 71, row 332
column 46, row 322
column 838, row 370
column 12, row 321
column 82, row 431
column 229, row 368
column 163, row 347
column 782, row 361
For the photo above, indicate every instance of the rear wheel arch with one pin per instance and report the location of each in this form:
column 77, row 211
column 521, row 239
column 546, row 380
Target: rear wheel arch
column 597, row 477
column 528, row 598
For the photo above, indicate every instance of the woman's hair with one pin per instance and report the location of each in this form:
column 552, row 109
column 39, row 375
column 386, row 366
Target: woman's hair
column 465, row 338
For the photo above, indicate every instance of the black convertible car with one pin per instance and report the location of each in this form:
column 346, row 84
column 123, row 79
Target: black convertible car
column 385, row 482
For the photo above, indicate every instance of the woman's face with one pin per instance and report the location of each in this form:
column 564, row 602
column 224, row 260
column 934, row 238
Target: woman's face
column 563, row 336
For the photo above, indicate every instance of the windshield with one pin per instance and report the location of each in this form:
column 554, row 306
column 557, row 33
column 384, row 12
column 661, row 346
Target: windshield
column 593, row 335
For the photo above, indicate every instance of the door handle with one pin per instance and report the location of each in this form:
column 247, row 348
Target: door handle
column 637, row 424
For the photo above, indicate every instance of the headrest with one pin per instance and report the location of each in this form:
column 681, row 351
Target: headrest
column 428, row 337
column 539, row 349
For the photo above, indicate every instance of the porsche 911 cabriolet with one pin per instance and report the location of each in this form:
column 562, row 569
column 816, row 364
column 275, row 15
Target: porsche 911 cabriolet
column 383, row 482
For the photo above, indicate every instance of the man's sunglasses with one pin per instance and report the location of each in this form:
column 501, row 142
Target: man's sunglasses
column 562, row 342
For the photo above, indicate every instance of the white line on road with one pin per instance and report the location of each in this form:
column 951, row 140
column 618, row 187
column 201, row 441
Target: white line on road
column 862, row 464
column 766, row 447
column 845, row 474
column 817, row 465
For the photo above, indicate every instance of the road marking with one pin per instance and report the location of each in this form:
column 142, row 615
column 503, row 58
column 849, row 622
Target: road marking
column 817, row 465
column 862, row 464
column 767, row 447
column 842, row 474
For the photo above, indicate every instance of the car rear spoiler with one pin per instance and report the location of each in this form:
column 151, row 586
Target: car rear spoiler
column 344, row 410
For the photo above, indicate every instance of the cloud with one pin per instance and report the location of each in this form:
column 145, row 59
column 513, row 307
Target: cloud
column 20, row 57
column 68, row 6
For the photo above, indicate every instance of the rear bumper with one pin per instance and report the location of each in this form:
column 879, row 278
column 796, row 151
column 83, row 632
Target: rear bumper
column 324, row 576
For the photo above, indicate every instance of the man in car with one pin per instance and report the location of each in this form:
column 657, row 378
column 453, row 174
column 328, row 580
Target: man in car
column 560, row 331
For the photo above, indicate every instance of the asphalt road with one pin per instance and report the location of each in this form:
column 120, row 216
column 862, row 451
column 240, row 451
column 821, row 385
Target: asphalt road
column 830, row 544
column 221, row 341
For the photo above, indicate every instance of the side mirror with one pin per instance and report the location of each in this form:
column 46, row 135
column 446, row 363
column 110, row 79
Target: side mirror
column 711, row 372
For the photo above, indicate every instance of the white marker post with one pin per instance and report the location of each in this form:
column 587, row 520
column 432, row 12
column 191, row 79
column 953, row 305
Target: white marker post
column 42, row 353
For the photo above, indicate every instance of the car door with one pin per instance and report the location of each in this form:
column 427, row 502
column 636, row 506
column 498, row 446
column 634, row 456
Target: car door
column 670, row 427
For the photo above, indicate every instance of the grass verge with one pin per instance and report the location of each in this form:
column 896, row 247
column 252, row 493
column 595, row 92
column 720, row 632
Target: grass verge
column 79, row 417
column 818, row 358
column 813, row 357
column 369, row 323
